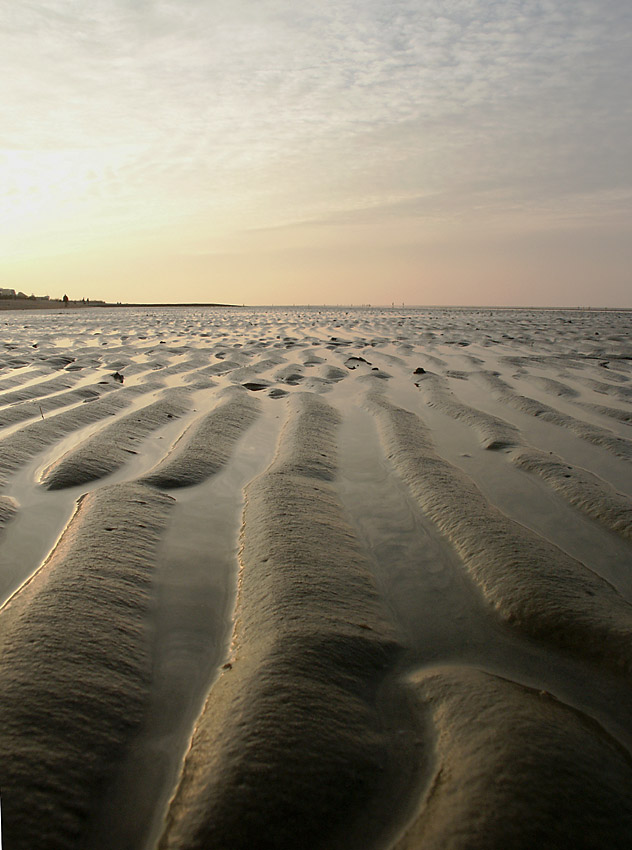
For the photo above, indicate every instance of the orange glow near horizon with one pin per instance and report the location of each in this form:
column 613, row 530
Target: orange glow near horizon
column 357, row 154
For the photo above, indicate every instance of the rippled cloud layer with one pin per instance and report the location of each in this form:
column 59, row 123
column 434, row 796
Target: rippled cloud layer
column 255, row 140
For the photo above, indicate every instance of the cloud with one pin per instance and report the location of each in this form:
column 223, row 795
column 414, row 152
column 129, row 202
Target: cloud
column 254, row 113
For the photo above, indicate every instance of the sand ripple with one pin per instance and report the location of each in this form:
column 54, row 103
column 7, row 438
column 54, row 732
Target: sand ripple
column 75, row 667
column 509, row 768
column 290, row 732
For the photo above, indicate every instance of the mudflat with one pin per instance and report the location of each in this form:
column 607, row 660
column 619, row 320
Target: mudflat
column 316, row 577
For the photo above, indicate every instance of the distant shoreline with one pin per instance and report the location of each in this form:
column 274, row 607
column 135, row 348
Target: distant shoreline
column 184, row 304
column 42, row 304
column 54, row 304
column 13, row 304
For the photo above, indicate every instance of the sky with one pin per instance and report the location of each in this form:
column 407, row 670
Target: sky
column 473, row 152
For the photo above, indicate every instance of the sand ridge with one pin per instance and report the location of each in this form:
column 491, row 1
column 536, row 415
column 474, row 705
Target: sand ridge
column 292, row 718
column 206, row 445
column 581, row 488
column 532, row 585
column 106, row 451
column 511, row 767
column 75, row 667
column 599, row 436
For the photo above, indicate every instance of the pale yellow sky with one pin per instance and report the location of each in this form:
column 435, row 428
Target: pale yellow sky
column 462, row 152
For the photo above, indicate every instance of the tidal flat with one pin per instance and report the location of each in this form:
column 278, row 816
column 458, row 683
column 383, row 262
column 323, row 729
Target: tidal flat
column 315, row 577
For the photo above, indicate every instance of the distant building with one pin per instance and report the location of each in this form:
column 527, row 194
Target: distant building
column 7, row 293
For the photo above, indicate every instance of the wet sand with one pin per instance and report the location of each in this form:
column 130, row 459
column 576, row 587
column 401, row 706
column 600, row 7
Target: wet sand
column 316, row 577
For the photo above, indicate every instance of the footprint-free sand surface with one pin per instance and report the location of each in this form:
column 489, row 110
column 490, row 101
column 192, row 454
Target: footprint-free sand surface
column 316, row 578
